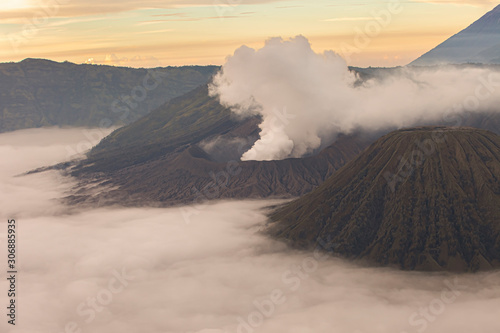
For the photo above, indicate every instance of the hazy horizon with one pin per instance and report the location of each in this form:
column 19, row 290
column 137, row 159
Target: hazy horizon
column 201, row 32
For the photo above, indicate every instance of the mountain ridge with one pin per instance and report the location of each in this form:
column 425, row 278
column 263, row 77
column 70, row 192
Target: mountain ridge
column 173, row 150
column 38, row 92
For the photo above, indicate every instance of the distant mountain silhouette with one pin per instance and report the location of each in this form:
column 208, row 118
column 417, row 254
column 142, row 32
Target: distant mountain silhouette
column 479, row 43
column 422, row 198
column 37, row 92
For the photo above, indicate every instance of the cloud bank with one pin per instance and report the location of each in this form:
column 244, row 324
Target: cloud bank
column 67, row 8
column 148, row 270
column 25, row 150
column 305, row 98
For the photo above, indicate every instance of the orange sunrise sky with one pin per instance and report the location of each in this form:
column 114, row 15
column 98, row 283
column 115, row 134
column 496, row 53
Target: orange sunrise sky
column 199, row 32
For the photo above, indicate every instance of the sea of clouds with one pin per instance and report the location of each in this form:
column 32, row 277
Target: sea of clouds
column 129, row 270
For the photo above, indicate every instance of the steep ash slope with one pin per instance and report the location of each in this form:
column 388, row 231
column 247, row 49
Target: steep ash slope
column 423, row 198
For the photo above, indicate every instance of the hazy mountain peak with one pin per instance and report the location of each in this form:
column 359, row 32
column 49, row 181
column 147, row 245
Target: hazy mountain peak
column 478, row 43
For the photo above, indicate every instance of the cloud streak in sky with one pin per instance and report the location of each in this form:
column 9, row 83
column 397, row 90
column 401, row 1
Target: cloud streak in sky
column 66, row 8
column 477, row 3
column 341, row 19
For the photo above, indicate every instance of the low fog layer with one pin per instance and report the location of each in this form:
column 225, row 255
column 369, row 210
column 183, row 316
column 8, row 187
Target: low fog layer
column 25, row 150
column 305, row 97
column 202, row 269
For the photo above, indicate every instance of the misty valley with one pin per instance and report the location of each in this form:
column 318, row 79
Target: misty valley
column 108, row 269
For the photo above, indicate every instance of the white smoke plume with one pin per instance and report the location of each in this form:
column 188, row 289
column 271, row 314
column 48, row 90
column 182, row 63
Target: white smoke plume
column 305, row 98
